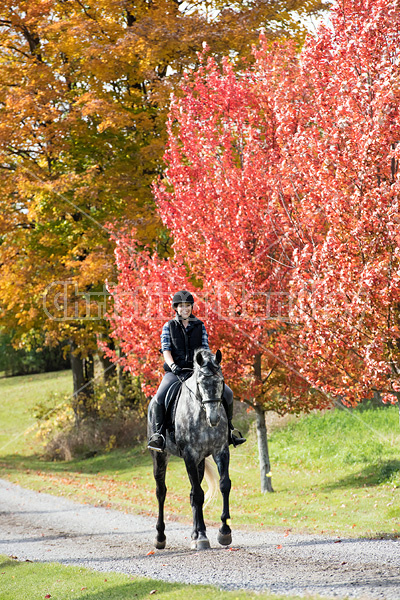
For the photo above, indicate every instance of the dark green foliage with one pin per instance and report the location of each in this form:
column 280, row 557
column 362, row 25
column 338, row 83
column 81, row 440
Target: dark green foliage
column 36, row 358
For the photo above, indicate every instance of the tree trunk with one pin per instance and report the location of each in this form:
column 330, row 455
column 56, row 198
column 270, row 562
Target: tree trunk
column 120, row 376
column 263, row 454
column 88, row 365
column 82, row 375
column 109, row 368
column 262, row 438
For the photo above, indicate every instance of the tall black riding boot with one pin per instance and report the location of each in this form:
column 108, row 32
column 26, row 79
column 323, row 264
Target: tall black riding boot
column 236, row 440
column 157, row 440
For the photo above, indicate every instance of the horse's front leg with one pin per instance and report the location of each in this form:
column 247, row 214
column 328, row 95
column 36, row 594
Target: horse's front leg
column 222, row 460
column 160, row 461
column 195, row 473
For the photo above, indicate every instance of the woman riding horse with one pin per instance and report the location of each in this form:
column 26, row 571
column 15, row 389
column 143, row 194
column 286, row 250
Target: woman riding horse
column 180, row 337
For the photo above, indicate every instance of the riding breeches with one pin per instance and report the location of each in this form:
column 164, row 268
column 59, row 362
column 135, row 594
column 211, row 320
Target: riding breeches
column 166, row 382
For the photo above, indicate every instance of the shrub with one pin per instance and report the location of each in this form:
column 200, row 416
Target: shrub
column 115, row 418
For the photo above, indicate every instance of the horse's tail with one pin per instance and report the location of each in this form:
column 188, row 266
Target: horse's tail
column 212, row 479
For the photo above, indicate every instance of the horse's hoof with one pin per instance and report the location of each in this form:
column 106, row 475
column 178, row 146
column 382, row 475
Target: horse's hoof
column 160, row 545
column 202, row 544
column 224, row 538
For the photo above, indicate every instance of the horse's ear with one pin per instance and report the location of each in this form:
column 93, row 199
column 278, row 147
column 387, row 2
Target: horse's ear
column 199, row 359
column 218, row 356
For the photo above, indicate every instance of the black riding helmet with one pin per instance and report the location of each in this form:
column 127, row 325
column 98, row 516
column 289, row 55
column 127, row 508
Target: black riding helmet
column 182, row 296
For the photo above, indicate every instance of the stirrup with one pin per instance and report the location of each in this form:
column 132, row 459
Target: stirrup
column 156, row 442
column 237, row 439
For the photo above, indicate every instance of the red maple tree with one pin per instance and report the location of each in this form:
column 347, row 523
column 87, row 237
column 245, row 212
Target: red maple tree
column 281, row 195
column 142, row 304
column 344, row 164
column 222, row 200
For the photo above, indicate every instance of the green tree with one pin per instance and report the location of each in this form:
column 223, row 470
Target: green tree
column 33, row 357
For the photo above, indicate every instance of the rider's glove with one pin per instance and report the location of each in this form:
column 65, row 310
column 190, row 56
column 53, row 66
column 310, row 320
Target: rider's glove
column 176, row 370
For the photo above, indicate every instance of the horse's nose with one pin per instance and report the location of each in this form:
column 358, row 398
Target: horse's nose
column 213, row 415
column 214, row 420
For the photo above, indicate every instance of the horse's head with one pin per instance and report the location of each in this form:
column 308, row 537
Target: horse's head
column 210, row 383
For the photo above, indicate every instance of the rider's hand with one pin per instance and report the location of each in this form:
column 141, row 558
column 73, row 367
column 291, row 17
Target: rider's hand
column 176, row 370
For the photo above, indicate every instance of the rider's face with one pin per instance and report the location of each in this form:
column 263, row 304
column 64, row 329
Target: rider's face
column 184, row 310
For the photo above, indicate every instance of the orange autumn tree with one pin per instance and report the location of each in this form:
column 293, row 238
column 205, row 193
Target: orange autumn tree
column 83, row 92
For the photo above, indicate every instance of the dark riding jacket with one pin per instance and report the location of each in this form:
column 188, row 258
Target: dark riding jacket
column 184, row 341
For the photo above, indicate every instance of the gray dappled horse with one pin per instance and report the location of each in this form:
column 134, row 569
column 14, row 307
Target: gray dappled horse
column 201, row 430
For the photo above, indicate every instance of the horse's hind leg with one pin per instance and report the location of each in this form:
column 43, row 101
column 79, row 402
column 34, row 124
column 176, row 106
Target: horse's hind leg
column 160, row 461
column 222, row 460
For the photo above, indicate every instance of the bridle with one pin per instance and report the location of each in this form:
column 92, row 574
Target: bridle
column 214, row 371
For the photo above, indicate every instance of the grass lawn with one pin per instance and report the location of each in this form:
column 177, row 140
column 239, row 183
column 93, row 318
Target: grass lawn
column 35, row 581
column 336, row 473
column 19, row 396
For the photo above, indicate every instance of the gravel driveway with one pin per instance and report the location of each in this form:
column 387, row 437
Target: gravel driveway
column 41, row 527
